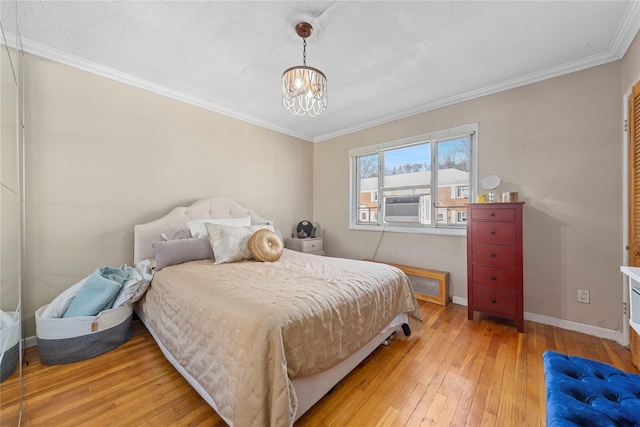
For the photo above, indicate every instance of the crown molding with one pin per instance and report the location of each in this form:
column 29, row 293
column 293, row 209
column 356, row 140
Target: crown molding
column 628, row 30
column 549, row 73
column 46, row 52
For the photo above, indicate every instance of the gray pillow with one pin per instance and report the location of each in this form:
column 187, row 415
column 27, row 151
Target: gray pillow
column 180, row 234
column 178, row 251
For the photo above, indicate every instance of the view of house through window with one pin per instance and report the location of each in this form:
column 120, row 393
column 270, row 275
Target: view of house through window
column 453, row 179
column 421, row 182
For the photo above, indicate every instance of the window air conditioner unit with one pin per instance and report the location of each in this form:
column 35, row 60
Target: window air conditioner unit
column 402, row 209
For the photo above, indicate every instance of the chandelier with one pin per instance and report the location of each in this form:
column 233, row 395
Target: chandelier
column 304, row 89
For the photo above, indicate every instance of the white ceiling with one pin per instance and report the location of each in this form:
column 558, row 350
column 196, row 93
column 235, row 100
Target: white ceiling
column 383, row 60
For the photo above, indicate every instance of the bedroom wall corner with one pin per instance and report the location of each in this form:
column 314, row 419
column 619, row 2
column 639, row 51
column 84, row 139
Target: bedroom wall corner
column 556, row 142
column 103, row 156
column 631, row 64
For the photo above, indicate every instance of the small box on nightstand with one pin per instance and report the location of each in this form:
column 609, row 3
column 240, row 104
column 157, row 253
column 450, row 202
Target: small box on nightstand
column 309, row 245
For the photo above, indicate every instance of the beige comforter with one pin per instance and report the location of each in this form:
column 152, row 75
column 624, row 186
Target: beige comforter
column 243, row 329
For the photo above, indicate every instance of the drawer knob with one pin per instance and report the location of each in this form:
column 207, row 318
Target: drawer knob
column 493, row 277
column 492, row 231
column 492, row 213
column 492, row 254
column 493, row 300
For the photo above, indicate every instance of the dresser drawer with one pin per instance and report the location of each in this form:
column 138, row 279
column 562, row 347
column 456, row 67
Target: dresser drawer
column 494, row 277
column 498, row 255
column 493, row 214
column 494, row 232
column 494, row 301
column 310, row 245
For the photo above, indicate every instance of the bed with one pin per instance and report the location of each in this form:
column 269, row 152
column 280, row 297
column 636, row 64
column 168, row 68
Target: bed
column 262, row 342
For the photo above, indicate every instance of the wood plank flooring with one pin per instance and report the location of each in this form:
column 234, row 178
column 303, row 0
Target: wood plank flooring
column 450, row 372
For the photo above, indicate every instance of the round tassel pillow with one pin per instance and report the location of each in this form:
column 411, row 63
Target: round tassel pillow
column 265, row 245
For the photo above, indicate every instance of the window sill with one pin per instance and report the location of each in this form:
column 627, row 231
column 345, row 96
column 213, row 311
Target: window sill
column 441, row 231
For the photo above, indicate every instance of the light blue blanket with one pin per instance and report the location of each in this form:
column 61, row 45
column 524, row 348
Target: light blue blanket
column 98, row 293
column 116, row 274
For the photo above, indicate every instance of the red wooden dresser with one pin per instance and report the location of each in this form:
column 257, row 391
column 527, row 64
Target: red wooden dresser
column 494, row 260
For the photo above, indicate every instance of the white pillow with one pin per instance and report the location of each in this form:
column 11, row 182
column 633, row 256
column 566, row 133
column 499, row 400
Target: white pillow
column 197, row 225
column 136, row 286
column 59, row 305
column 230, row 243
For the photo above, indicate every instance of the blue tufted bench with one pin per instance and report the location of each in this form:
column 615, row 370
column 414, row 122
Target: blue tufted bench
column 583, row 392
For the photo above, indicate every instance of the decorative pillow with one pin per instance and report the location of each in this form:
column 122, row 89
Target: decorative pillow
column 230, row 243
column 179, row 234
column 265, row 245
column 197, row 228
column 178, row 251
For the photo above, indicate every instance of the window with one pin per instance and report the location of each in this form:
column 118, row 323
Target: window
column 462, row 192
column 368, row 189
column 417, row 184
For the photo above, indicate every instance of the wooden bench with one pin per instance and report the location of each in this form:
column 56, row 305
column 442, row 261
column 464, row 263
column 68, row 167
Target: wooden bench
column 415, row 275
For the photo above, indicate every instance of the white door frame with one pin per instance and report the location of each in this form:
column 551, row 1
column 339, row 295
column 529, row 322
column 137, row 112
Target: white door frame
column 625, row 211
column 625, row 216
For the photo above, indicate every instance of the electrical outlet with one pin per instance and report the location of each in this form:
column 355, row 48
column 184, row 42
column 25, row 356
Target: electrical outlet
column 583, row 296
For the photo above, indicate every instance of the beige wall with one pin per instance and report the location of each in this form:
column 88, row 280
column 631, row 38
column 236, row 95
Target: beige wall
column 103, row 156
column 631, row 64
column 559, row 144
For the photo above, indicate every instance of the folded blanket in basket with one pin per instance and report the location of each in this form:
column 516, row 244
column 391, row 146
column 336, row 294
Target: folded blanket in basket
column 98, row 293
column 116, row 274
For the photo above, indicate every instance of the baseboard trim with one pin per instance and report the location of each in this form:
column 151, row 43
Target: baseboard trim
column 596, row 331
column 459, row 301
column 30, row 342
column 609, row 334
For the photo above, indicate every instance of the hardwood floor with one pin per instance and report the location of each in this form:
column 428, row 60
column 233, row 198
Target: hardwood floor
column 450, row 372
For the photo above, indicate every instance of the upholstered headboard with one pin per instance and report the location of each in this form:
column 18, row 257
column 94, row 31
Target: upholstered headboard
column 145, row 234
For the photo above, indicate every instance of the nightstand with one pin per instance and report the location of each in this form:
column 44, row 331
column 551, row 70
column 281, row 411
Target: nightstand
column 309, row 245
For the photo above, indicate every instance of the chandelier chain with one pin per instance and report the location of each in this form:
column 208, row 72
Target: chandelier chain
column 304, row 52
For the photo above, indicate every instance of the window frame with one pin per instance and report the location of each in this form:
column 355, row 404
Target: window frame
column 459, row 189
column 433, row 137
